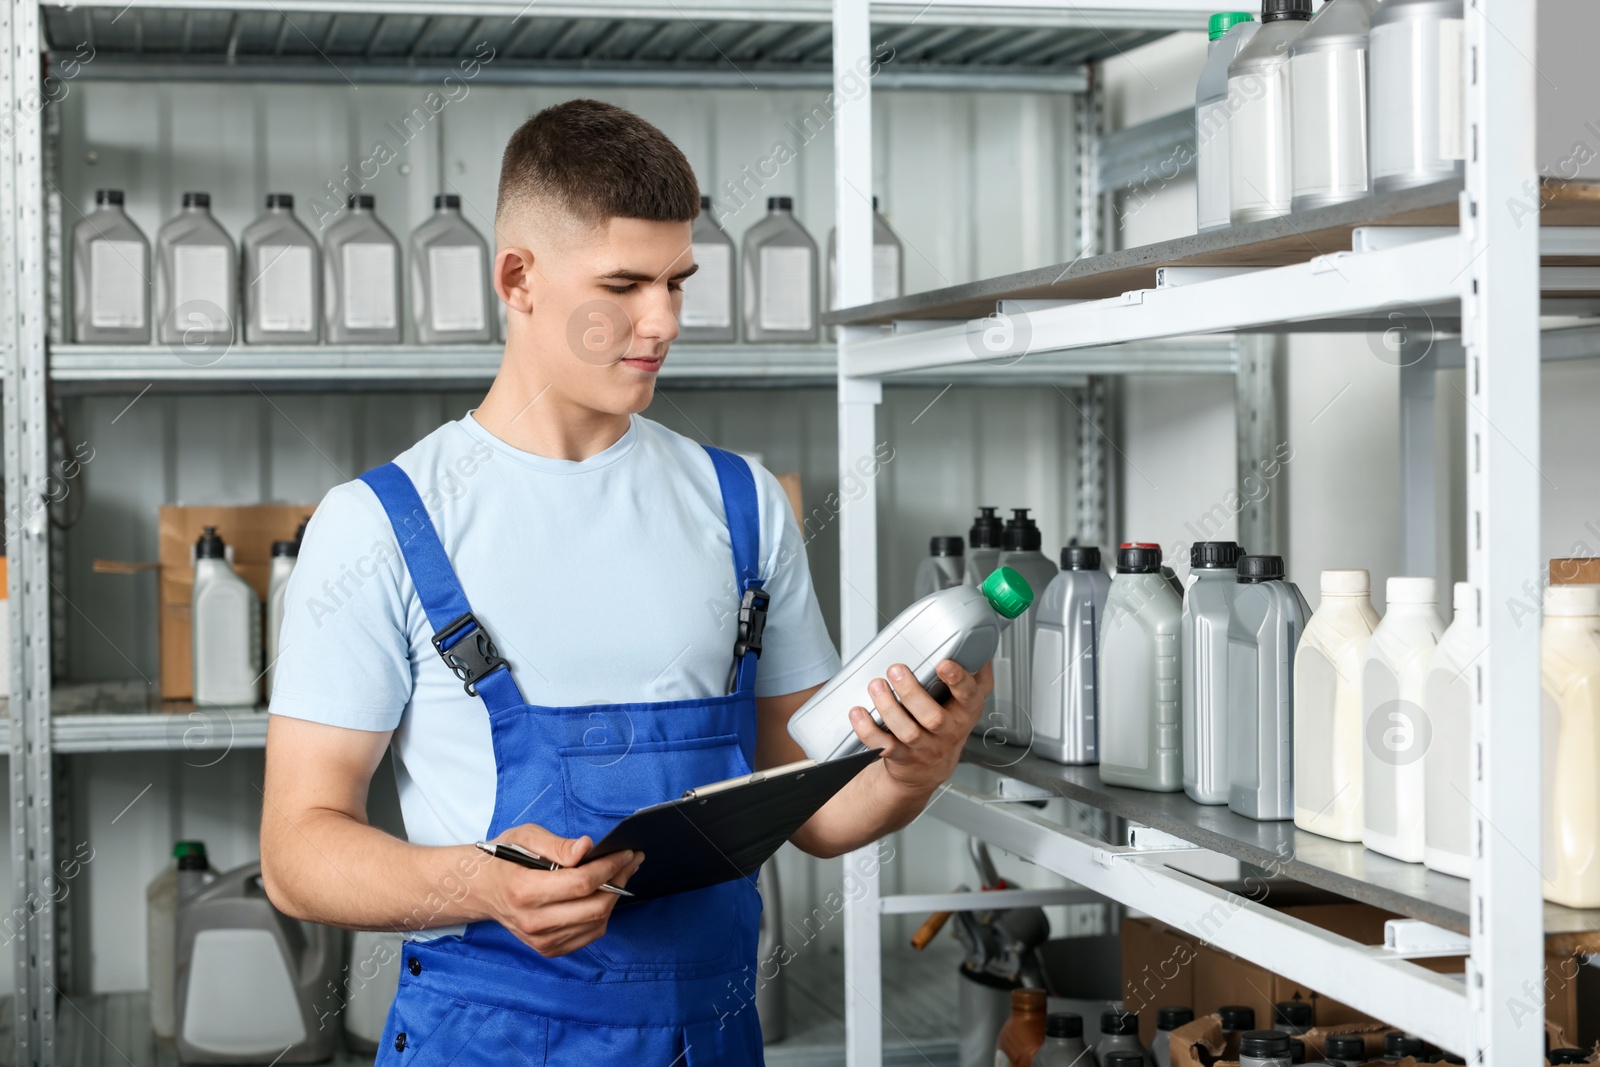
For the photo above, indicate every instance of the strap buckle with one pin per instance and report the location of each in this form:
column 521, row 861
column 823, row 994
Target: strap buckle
column 752, row 622
column 472, row 655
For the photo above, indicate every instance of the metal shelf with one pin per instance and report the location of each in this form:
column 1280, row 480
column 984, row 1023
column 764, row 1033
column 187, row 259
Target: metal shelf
column 1291, row 239
column 737, row 44
column 1340, row 867
column 129, row 717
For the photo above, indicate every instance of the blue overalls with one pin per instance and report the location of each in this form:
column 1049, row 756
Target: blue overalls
column 671, row 982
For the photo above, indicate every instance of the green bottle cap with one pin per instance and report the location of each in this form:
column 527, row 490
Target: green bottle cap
column 189, row 848
column 1007, row 592
column 1223, row 21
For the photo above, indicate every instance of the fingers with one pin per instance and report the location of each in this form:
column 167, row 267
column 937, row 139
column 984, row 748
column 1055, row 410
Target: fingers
column 895, row 717
column 567, row 851
column 926, row 712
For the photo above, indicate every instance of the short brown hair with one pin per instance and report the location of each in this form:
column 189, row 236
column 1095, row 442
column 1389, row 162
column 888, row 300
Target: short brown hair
column 597, row 161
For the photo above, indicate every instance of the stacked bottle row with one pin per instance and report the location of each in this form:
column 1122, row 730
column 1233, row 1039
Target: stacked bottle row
column 1300, row 111
column 779, row 277
column 226, row 644
column 201, row 281
column 1230, row 688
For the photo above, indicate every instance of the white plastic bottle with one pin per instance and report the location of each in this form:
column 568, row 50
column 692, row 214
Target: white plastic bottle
column 1228, row 31
column 161, row 933
column 1447, row 703
column 1418, row 98
column 110, row 276
column 944, row 567
column 706, row 314
column 284, row 555
column 1063, row 1042
column 961, row 624
column 1203, row 646
column 1570, row 667
column 361, row 278
column 1396, row 731
column 450, row 278
column 1328, row 112
column 1141, row 713
column 226, row 620
column 1066, row 720
column 197, row 274
column 279, row 258
column 780, row 277
column 1327, row 707
column 1260, row 181
column 1013, row 661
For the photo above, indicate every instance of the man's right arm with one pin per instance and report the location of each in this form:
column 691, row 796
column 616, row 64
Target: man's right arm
column 322, row 862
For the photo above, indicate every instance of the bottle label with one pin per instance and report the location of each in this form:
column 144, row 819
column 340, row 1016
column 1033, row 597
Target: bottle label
column 786, row 280
column 1452, row 90
column 707, row 297
column 116, row 285
column 369, row 298
column 455, row 302
column 885, row 272
column 201, row 287
column 283, row 287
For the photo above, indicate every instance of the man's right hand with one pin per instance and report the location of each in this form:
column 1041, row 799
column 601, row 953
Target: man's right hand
column 554, row 912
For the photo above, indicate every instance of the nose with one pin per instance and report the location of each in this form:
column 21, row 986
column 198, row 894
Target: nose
column 657, row 321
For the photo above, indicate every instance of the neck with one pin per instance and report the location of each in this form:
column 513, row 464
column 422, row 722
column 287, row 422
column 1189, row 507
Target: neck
column 524, row 411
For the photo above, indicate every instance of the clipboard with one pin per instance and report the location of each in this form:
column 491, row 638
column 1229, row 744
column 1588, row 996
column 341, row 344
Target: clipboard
column 725, row 830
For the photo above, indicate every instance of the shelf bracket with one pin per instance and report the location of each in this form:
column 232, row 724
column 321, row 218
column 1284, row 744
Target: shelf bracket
column 1172, row 277
column 1146, row 842
column 1413, row 939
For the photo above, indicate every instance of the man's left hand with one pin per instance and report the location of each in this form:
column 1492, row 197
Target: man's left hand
column 922, row 738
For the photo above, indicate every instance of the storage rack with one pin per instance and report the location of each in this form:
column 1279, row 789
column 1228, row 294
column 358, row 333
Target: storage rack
column 704, row 44
column 1425, row 253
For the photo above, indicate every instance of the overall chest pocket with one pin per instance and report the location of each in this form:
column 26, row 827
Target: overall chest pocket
column 701, row 932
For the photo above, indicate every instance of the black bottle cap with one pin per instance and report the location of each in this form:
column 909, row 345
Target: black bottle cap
column 1277, row 10
column 285, row 548
column 1253, row 569
column 365, row 201
column 1344, row 1047
column 1080, row 558
column 780, row 203
column 446, row 200
column 1265, row 1044
column 1296, row 1013
column 874, row 203
column 1396, row 1044
column 1063, row 1024
column 285, row 200
column 1021, row 533
column 1566, row 1055
column 1123, row 1058
column 1237, row 1017
column 1583, row 1057
column 1213, row 555
column 986, row 529
column 1172, row 1018
column 705, row 202
column 1297, row 1050
column 196, row 199
column 210, row 545
column 1119, row 1022
column 108, row 196
column 194, row 861
column 945, row 545
column 1137, row 559
column 300, row 531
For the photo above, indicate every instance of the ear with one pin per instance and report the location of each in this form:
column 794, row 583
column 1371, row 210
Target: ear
column 513, row 276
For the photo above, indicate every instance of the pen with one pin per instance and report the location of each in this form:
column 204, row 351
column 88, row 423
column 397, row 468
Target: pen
column 523, row 858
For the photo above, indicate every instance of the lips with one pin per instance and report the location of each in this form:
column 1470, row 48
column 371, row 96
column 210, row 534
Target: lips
column 649, row 365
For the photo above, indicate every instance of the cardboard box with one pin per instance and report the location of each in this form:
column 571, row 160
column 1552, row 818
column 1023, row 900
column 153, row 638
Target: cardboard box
column 1577, row 570
column 1157, row 971
column 249, row 531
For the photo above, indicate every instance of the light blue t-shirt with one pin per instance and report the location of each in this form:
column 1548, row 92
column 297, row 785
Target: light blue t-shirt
column 607, row 580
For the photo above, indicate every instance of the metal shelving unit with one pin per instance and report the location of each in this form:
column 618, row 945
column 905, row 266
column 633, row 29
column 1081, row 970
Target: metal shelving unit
column 1448, row 258
column 1025, row 46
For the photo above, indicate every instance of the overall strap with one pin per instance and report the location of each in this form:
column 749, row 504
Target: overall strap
column 460, row 639
column 743, row 512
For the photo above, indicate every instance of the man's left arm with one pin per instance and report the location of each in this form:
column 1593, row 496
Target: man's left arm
column 921, row 741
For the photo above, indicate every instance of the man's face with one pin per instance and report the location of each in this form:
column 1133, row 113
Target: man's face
column 594, row 309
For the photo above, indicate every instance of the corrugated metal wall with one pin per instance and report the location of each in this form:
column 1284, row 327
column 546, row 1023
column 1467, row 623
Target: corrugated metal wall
column 975, row 185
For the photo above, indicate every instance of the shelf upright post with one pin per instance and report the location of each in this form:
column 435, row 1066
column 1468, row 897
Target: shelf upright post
column 1259, row 420
column 1500, row 330
column 1088, row 121
column 858, row 494
column 30, row 921
column 1419, row 520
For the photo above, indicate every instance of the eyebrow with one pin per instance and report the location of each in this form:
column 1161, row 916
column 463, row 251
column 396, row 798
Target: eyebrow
column 623, row 274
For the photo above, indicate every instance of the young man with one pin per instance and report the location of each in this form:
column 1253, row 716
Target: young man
column 608, row 558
